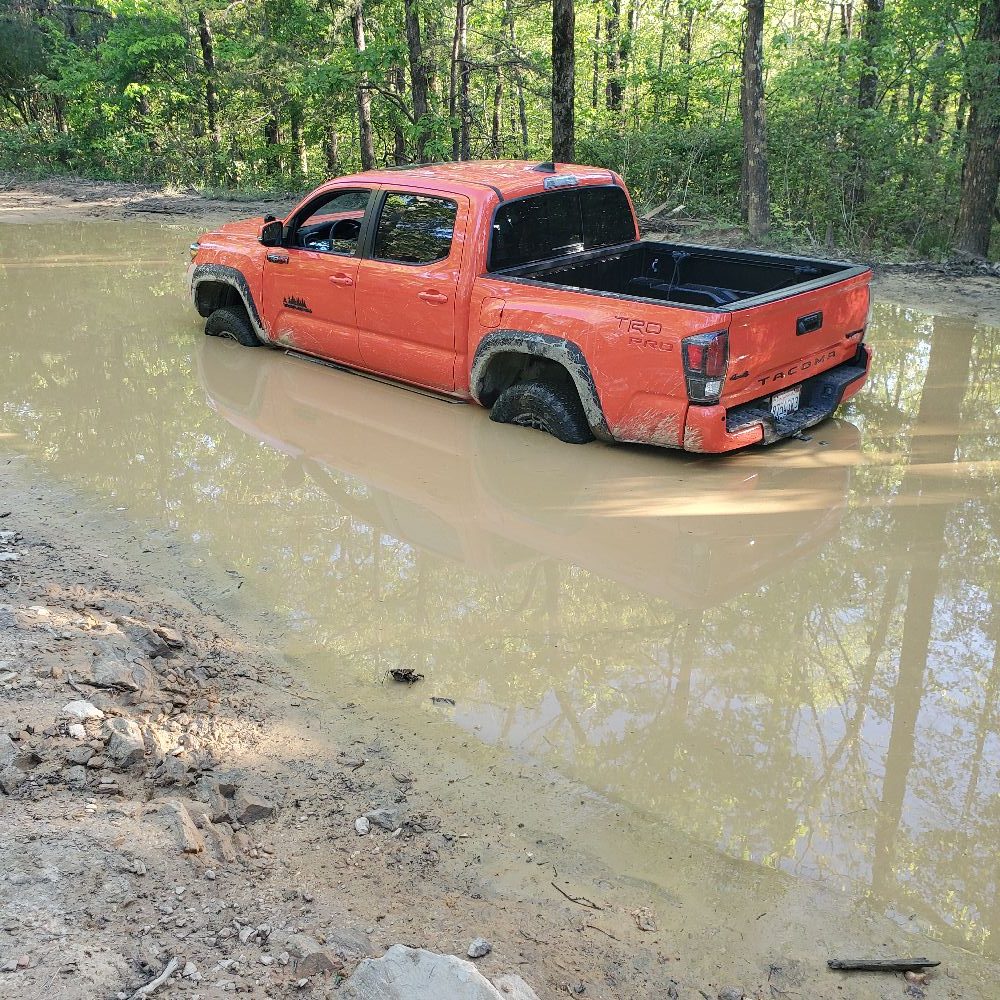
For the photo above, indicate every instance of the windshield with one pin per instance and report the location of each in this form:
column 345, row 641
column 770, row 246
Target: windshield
column 558, row 223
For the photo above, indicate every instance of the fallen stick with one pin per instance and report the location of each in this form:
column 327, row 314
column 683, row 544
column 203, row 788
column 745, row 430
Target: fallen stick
column 881, row 964
column 155, row 984
column 579, row 900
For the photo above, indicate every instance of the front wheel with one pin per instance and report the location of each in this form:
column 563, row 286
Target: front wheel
column 554, row 409
column 233, row 325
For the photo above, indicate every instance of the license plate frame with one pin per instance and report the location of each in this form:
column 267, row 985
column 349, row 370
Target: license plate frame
column 784, row 404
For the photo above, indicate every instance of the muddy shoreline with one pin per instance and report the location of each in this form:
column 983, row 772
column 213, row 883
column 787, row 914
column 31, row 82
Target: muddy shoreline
column 953, row 289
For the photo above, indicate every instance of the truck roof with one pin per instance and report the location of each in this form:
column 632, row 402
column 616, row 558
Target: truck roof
column 507, row 178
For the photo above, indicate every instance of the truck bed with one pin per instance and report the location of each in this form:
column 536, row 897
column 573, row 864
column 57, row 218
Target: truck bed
column 700, row 277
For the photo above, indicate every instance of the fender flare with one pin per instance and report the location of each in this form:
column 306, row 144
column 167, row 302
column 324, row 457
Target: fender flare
column 232, row 276
column 542, row 345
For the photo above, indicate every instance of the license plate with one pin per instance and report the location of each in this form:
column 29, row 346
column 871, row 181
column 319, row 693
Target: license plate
column 783, row 403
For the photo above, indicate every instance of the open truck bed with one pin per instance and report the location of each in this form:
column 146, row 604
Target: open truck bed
column 697, row 276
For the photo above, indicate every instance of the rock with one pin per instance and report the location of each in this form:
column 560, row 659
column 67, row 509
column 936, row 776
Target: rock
column 514, row 988
column 309, row 957
column 362, row 826
column 110, row 670
column 79, row 755
column 188, row 837
column 170, row 636
column 389, row 817
column 479, row 948
column 731, row 993
column 76, row 777
column 172, row 771
column 247, row 934
column 77, row 730
column 249, row 808
column 190, row 970
column 82, row 711
column 14, row 764
column 125, row 744
column 348, row 942
column 414, row 974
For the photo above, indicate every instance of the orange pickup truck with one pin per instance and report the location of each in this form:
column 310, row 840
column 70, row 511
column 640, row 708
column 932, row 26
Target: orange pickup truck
column 525, row 287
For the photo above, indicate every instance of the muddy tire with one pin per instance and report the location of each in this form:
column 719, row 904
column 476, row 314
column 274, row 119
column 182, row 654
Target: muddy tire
column 233, row 325
column 555, row 409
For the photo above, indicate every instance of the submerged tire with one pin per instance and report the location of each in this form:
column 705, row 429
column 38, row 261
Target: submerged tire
column 232, row 324
column 555, row 409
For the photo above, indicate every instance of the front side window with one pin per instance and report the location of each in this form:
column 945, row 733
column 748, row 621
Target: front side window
column 557, row 223
column 414, row 229
column 333, row 223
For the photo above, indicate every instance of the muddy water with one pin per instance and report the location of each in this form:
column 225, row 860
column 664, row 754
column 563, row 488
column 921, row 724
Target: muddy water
column 790, row 654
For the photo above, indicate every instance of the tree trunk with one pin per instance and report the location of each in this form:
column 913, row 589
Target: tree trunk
column 208, row 62
column 456, row 111
column 464, row 78
column 872, row 31
column 563, row 81
column 595, row 81
column 398, row 81
column 298, row 142
column 660, row 57
column 613, row 89
column 331, row 148
column 981, row 170
column 418, row 76
column 522, row 112
column 363, row 94
column 686, row 42
column 755, row 194
column 939, row 95
column 495, row 144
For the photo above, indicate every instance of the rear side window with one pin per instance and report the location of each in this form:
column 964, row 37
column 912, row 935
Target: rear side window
column 415, row 229
column 558, row 223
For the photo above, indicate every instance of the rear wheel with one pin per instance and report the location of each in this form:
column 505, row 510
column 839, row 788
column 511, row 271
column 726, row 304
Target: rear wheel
column 232, row 324
column 555, row 409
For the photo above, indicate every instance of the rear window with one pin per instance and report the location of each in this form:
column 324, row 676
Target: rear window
column 558, row 223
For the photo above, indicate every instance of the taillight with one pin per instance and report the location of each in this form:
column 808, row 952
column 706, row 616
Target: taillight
column 705, row 359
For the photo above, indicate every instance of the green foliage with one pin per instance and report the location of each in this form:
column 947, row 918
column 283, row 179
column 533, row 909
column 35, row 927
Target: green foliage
column 125, row 94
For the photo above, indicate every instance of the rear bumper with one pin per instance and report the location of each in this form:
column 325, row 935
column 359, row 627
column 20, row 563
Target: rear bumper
column 717, row 429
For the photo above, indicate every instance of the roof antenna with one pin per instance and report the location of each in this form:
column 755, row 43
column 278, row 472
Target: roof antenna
column 548, row 167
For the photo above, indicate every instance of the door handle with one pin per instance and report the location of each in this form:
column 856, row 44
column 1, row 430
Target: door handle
column 277, row 258
column 341, row 279
column 430, row 295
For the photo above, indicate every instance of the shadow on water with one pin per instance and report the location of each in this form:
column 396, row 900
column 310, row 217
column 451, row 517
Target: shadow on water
column 791, row 653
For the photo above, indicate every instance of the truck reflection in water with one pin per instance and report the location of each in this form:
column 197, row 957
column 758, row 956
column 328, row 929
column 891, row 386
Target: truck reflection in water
column 439, row 476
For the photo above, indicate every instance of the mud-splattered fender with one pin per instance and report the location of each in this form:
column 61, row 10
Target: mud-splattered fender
column 542, row 345
column 229, row 276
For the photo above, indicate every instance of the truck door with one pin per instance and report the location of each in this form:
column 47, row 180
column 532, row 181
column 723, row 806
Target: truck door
column 407, row 287
column 310, row 281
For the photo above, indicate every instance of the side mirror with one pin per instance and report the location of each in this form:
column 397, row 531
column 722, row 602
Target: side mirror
column 270, row 234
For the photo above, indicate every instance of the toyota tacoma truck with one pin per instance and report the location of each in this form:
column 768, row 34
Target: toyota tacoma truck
column 525, row 287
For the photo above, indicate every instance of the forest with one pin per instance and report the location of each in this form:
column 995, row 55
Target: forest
column 869, row 127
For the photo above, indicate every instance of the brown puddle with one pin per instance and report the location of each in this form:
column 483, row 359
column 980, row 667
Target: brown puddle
column 790, row 654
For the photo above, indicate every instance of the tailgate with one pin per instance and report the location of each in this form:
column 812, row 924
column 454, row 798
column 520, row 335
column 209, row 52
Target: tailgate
column 780, row 343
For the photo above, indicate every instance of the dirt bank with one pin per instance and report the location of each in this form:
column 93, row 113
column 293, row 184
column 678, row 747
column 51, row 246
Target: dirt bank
column 970, row 290
column 61, row 199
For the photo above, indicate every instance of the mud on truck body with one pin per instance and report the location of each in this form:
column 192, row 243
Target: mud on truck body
column 524, row 287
